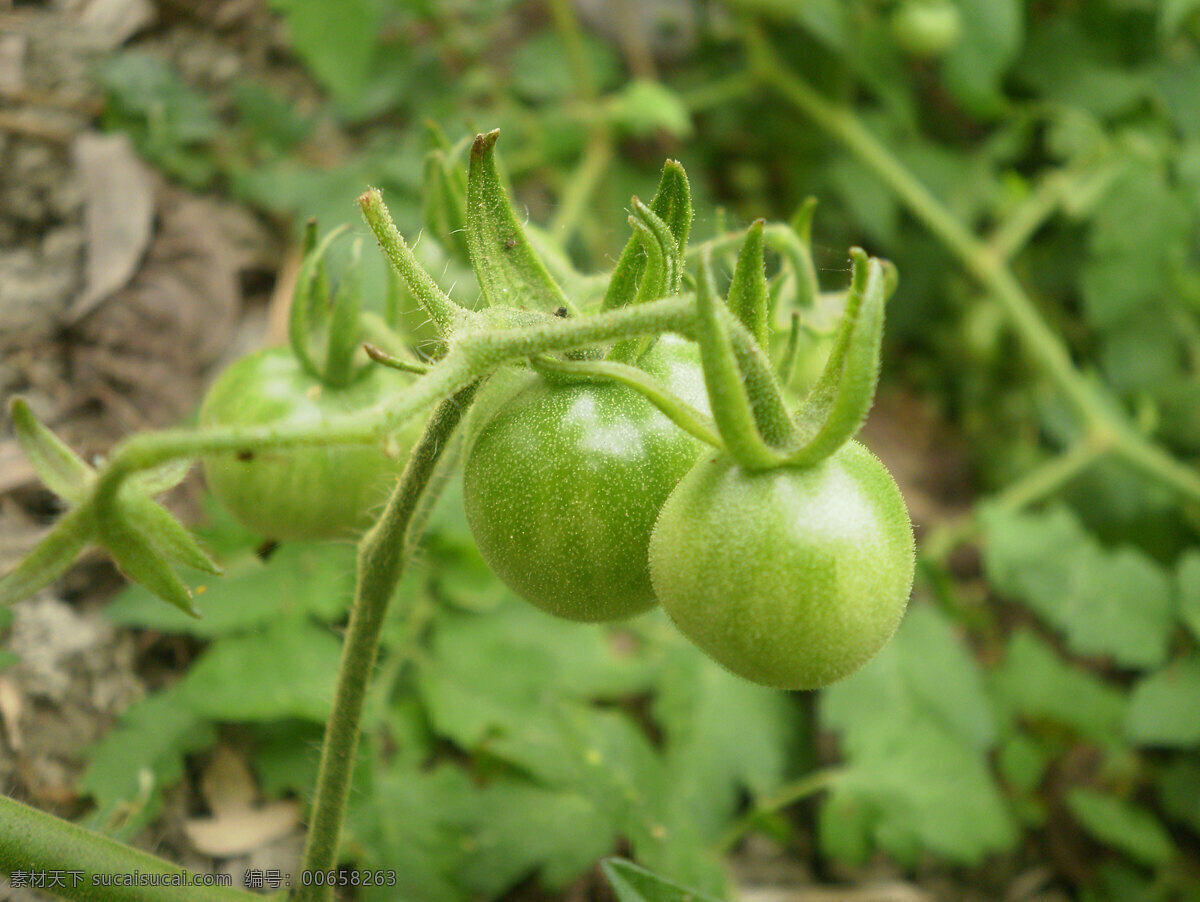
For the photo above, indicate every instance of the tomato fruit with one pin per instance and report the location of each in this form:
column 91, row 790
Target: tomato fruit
column 563, row 484
column 298, row 493
column 793, row 577
column 926, row 28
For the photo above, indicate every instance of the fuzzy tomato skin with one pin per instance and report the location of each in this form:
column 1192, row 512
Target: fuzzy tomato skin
column 793, row 578
column 563, row 485
column 301, row 493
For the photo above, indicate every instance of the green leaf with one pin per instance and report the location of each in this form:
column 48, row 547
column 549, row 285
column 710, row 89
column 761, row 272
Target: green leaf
column 642, row 108
column 299, row 578
column 129, row 769
column 1172, row 14
column 839, row 402
column 1164, row 709
column 61, row 469
column 631, row 883
column 723, row 736
column 1187, row 577
column 338, row 42
column 1116, row 603
column 1122, row 825
column 915, row 727
column 509, row 271
column 516, row 829
column 423, row 847
column 1033, row 683
column 540, row 71
column 51, row 557
column 928, row 792
column 992, row 33
column 1179, row 791
column 287, row 670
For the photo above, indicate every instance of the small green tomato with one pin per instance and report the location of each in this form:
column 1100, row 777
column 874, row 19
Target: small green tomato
column 792, row 577
column 300, row 493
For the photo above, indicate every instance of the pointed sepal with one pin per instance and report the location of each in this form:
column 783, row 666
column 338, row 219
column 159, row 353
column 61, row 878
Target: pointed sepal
column 162, row 478
column 839, row 402
column 310, row 311
column 731, row 406
column 447, row 316
column 52, row 556
column 748, row 298
column 342, row 340
column 141, row 562
column 672, row 204
column 170, row 536
column 445, row 200
column 62, row 470
column 509, row 271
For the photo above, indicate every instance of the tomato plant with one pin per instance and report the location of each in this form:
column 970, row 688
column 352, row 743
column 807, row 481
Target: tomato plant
column 300, row 493
column 563, row 485
column 793, row 577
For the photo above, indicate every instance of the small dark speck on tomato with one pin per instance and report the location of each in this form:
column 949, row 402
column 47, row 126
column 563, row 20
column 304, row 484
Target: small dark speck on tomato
column 561, row 312
column 245, row 454
column 266, row 549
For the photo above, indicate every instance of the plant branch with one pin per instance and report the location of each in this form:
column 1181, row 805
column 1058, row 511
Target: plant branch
column 34, row 840
column 811, row 783
column 382, row 557
column 979, row 259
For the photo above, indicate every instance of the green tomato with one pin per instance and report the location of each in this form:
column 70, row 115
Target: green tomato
column 926, row 28
column 300, row 493
column 563, row 484
column 793, row 577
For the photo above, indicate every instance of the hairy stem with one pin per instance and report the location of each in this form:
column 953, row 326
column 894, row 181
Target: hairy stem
column 33, row 840
column 382, row 557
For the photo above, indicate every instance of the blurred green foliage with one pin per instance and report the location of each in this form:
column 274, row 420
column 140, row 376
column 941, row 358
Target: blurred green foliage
column 502, row 743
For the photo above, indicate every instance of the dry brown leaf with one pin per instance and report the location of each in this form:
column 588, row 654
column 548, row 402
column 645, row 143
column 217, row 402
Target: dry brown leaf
column 243, row 831
column 118, row 214
column 227, row 785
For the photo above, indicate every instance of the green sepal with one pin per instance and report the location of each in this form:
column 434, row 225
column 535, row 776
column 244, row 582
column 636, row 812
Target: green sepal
column 160, row 479
column 342, row 340
column 672, row 204
column 170, row 536
column 678, row 411
column 447, row 316
column 138, row 558
column 787, row 363
column 62, row 470
column 748, row 291
column 672, row 257
column 727, row 396
column 309, row 315
column 840, row 400
column 52, row 556
column 444, row 190
column 509, row 271
column 380, row 356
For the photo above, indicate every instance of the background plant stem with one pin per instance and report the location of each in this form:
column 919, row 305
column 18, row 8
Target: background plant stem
column 382, row 557
column 992, row 271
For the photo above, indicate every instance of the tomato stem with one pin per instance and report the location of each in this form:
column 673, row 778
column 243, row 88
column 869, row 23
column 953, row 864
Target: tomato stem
column 383, row 554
